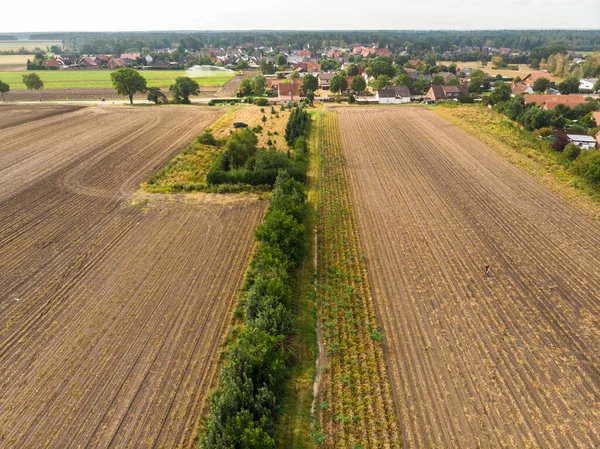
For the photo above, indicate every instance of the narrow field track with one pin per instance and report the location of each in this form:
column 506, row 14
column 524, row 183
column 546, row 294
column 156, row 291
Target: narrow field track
column 509, row 360
column 111, row 315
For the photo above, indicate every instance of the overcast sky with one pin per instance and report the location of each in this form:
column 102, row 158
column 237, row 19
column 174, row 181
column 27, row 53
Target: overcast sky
column 138, row 15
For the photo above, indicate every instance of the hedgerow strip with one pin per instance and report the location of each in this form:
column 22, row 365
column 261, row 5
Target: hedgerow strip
column 247, row 403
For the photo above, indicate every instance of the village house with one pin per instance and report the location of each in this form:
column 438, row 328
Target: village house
column 587, row 84
column 325, row 79
column 51, row 63
column 530, row 79
column 88, row 63
column 116, row 63
column 288, row 92
column 438, row 92
column 393, row 95
column 133, row 55
column 549, row 102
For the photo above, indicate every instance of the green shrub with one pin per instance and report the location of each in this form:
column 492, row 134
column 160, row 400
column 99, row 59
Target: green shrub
column 571, row 151
column 262, row 101
column 207, row 138
column 588, row 166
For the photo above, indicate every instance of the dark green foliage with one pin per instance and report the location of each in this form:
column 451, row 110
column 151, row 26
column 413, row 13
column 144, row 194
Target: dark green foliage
column 587, row 165
column 246, row 406
column 241, row 146
column 207, row 138
column 560, row 140
column 182, row 88
column 296, row 125
column 262, row 101
column 571, row 151
column 282, row 230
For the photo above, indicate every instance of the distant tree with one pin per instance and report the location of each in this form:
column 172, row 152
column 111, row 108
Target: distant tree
column 246, row 87
column 183, row 87
column 259, row 85
column 569, row 86
column 294, row 75
column 55, row 49
column 264, row 118
column 4, row 89
column 453, row 81
column 597, row 87
column 437, row 80
column 381, row 82
column 403, row 80
column 541, row 84
column 338, row 83
column 452, row 68
column 310, row 83
column 517, row 79
column 156, row 96
column 381, row 67
column 128, row 81
column 242, row 64
column 358, row 84
column 478, row 76
column 421, row 86
column 501, row 92
column 33, row 82
column 352, row 70
column 281, row 60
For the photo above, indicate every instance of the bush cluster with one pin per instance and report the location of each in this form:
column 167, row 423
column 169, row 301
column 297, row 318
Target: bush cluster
column 243, row 163
column 245, row 407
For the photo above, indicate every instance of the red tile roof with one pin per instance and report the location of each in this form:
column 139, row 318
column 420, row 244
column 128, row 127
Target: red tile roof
column 289, row 90
column 550, row 102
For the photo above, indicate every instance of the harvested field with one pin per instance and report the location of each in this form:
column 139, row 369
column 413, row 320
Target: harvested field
column 509, row 360
column 18, row 115
column 84, row 93
column 112, row 314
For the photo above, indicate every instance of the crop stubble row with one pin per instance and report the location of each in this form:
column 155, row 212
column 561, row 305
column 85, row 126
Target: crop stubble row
column 113, row 340
column 505, row 361
column 355, row 402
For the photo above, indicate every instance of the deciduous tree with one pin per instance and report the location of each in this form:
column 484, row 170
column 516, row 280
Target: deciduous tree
column 33, row 82
column 183, row 87
column 128, row 82
column 358, row 84
column 4, row 89
column 338, row 83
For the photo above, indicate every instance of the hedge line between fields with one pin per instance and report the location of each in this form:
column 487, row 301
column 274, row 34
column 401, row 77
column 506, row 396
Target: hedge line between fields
column 247, row 403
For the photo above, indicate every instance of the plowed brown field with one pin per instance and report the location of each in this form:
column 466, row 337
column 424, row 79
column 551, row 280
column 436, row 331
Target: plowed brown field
column 509, row 360
column 111, row 315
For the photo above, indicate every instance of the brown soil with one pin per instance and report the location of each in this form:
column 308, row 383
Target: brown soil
column 95, row 94
column 509, row 360
column 112, row 314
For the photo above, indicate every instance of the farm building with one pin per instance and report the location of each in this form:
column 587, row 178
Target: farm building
column 438, row 92
column 583, row 141
column 393, row 95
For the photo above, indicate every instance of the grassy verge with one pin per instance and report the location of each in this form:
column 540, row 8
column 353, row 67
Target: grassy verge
column 186, row 172
column 295, row 429
column 527, row 151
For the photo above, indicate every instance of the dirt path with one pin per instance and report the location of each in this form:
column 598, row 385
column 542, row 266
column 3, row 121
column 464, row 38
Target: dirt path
column 231, row 87
column 509, row 360
column 111, row 314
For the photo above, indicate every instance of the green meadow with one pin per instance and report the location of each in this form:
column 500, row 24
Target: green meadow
column 89, row 79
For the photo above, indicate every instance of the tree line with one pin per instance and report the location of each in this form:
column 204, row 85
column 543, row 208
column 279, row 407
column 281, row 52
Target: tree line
column 246, row 406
